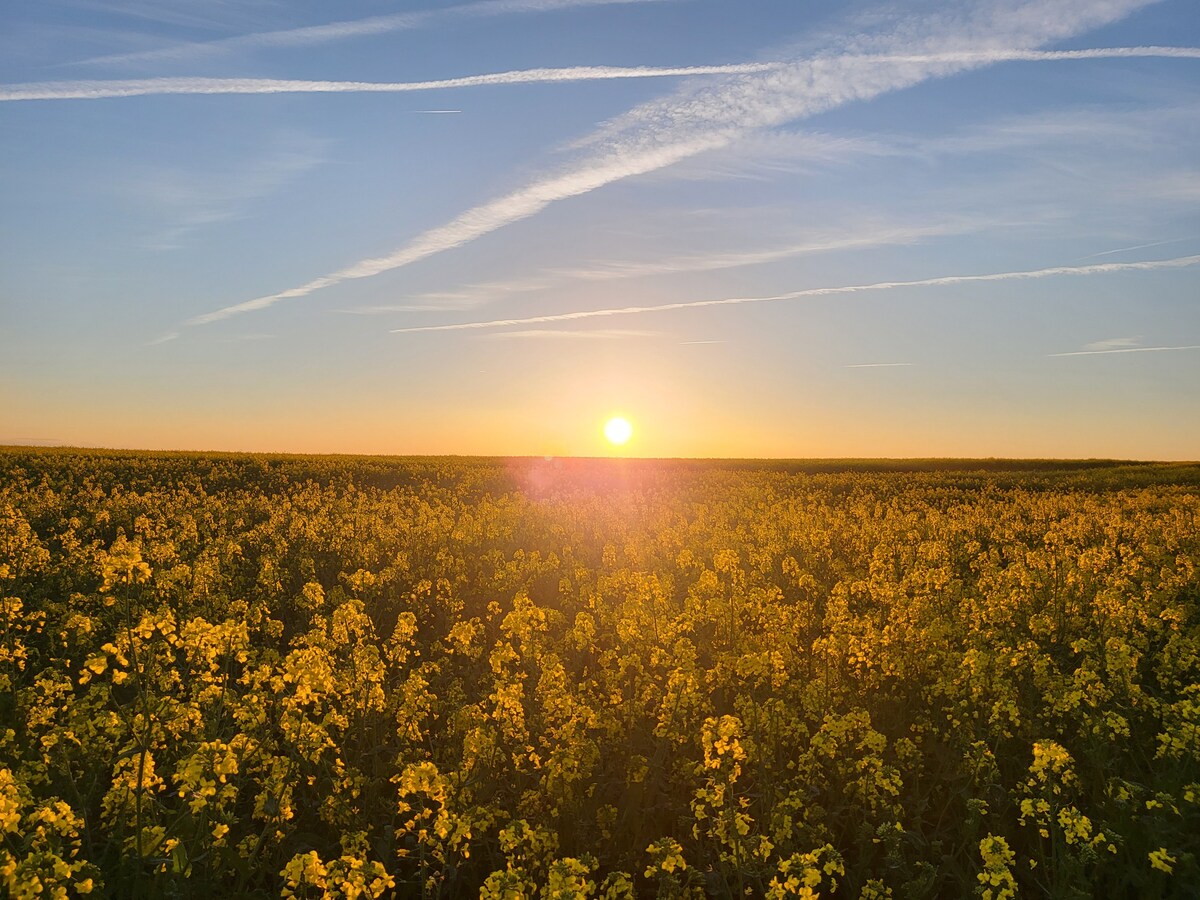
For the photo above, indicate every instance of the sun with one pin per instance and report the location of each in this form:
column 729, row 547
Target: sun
column 618, row 430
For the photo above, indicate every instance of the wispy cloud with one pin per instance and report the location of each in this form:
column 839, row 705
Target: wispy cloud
column 96, row 89
column 1180, row 186
column 765, row 154
column 1061, row 138
column 105, row 89
column 231, row 339
column 468, row 296
column 942, row 281
column 659, row 134
column 557, row 334
column 211, row 15
column 851, row 237
column 867, row 235
column 1091, row 53
column 384, row 309
column 1126, row 350
column 878, row 366
column 1113, row 343
column 1139, row 247
column 1132, row 128
column 353, row 28
column 189, row 200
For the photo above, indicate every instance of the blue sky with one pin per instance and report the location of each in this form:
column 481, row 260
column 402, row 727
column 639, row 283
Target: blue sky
column 255, row 226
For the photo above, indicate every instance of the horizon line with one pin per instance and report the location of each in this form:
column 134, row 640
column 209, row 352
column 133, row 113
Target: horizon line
column 6, row 447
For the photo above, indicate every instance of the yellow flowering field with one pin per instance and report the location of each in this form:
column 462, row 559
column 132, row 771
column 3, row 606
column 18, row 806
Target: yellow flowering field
column 252, row 676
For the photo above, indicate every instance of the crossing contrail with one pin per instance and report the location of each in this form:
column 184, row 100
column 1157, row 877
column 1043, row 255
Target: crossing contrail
column 666, row 132
column 141, row 87
column 105, row 89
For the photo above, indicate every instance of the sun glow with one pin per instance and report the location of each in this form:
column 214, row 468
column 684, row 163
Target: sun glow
column 618, row 430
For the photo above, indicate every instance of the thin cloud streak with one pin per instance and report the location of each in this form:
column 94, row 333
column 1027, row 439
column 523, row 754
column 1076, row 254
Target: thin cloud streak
column 878, row 365
column 102, row 90
column 1126, row 350
column 94, row 89
column 1113, row 343
column 564, row 334
column 190, row 200
column 372, row 25
column 945, row 280
column 480, row 221
column 387, row 309
column 1091, row 53
column 1138, row 247
column 659, row 134
column 882, row 236
column 869, row 234
column 1057, row 135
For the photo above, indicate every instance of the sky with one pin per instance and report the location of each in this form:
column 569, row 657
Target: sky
column 754, row 228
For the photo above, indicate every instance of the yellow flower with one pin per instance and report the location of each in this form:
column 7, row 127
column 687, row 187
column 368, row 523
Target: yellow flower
column 667, row 854
column 1161, row 860
column 996, row 878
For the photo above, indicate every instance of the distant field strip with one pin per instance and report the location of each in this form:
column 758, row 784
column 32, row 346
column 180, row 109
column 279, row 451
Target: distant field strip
column 1096, row 269
column 108, row 89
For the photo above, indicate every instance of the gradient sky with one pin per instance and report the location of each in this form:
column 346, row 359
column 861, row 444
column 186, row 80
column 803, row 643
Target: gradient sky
column 248, row 226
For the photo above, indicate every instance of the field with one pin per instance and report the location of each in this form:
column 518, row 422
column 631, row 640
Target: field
column 352, row 677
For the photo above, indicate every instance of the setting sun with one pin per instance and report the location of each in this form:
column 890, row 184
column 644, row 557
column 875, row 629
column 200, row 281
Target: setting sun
column 618, row 430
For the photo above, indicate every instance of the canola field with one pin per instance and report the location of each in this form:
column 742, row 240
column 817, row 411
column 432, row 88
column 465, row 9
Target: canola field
column 251, row 676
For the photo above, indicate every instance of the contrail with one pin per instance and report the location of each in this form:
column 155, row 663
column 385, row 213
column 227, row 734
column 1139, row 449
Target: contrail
column 100, row 90
column 1126, row 350
column 476, row 294
column 333, row 31
column 97, row 89
column 1092, row 53
column 1095, row 269
column 661, row 133
column 1138, row 247
column 565, row 334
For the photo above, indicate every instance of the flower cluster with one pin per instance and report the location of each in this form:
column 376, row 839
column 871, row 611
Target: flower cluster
column 366, row 678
